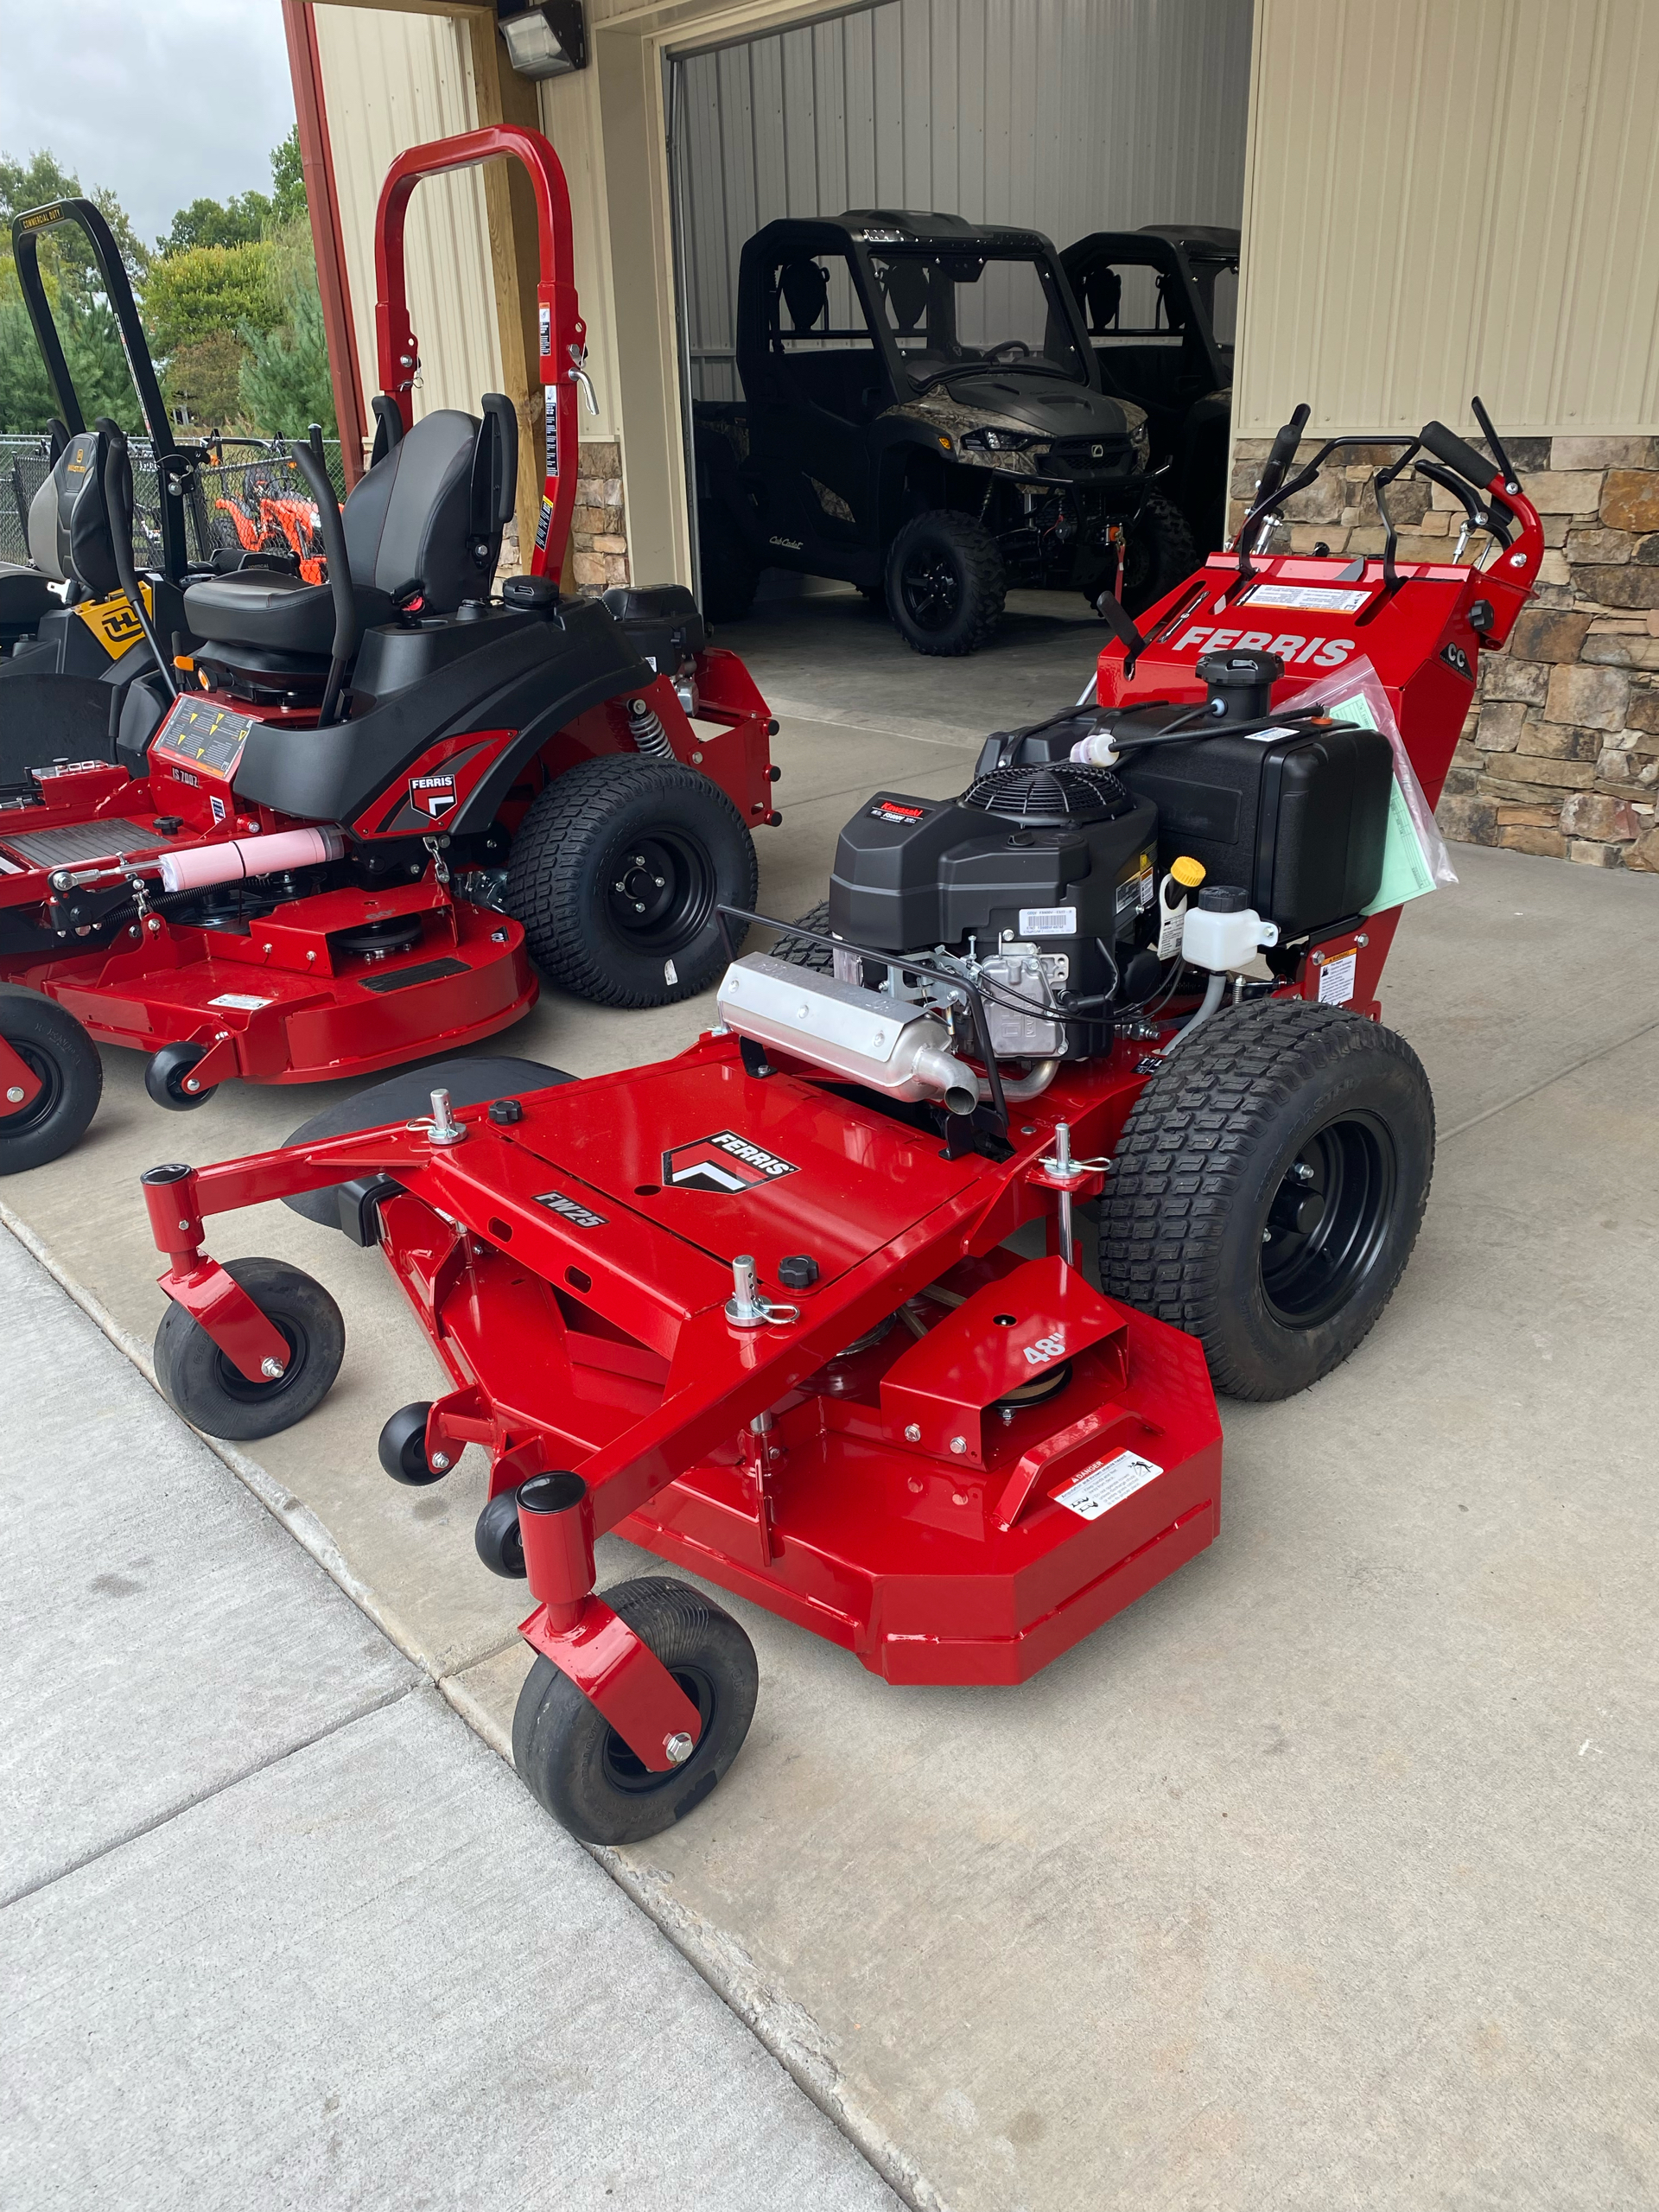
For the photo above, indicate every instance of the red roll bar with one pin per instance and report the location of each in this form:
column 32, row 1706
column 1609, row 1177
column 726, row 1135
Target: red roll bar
column 562, row 333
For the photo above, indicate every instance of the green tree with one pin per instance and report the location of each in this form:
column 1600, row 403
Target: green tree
column 285, row 384
column 74, row 292
column 238, row 221
column 206, row 289
column 288, row 200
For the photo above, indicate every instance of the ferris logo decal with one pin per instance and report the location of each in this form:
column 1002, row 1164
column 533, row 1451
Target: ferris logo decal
column 432, row 795
column 724, row 1163
column 1045, row 1349
column 583, row 1216
column 1320, row 652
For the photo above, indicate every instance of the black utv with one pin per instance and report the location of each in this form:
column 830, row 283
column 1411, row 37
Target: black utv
column 923, row 417
column 1152, row 300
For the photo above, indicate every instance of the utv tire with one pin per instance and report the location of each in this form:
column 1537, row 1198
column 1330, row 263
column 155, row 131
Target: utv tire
column 945, row 584
column 802, row 952
column 580, row 1769
column 1268, row 1189
column 616, row 876
column 728, row 571
column 63, row 1061
column 213, row 1395
column 1159, row 555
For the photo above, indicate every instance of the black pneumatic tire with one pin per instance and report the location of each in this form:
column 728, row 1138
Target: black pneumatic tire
column 64, row 1060
column 1159, row 555
column 499, row 1539
column 1268, row 1189
column 213, row 1395
column 800, row 951
column 169, row 1072
column 578, row 845
column 945, row 583
column 577, row 1766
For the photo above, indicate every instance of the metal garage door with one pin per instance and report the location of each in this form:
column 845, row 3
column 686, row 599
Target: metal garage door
column 1068, row 115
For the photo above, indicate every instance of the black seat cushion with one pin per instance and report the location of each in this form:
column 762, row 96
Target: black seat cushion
column 25, row 597
column 407, row 521
column 266, row 607
column 407, row 1097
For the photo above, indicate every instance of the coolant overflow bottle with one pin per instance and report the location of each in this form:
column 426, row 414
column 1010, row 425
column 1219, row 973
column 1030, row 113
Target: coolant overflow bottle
column 1185, row 874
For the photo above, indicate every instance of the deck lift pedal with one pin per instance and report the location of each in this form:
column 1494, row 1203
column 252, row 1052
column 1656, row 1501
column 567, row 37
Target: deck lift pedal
column 755, row 1308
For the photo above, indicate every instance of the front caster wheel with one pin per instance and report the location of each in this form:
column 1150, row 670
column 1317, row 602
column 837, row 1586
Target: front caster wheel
column 577, row 1765
column 170, row 1082
column 498, row 1539
column 61, row 1059
column 402, row 1448
column 211, row 1392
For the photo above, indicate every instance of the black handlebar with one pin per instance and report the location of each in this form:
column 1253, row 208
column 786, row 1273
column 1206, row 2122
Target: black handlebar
column 1446, row 445
column 118, row 505
column 1109, row 607
column 332, row 531
column 1282, row 451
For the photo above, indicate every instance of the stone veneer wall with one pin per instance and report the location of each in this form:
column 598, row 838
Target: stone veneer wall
column 1560, row 753
column 598, row 528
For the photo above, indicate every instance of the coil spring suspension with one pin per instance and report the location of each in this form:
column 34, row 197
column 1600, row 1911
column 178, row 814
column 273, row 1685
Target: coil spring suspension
column 646, row 728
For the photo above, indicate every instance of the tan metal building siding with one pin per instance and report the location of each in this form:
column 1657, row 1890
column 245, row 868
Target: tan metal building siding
column 1448, row 196
column 392, row 81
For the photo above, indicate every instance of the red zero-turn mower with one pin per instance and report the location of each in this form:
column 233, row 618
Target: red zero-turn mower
column 756, row 1307
column 374, row 797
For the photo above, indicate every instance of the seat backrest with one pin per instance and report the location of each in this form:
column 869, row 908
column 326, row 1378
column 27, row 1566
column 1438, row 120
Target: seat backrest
column 407, row 519
column 68, row 522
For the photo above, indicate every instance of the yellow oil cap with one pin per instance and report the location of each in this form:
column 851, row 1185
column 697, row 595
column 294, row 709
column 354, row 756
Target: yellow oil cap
column 1187, row 872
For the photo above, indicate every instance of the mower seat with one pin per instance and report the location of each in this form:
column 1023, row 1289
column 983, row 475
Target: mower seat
column 69, row 541
column 408, row 526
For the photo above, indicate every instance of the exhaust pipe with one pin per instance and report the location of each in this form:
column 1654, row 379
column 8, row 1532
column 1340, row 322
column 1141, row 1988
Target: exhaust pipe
column 863, row 1035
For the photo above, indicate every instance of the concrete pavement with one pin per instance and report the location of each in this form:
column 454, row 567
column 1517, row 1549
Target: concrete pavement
column 279, row 1930
column 1320, row 1877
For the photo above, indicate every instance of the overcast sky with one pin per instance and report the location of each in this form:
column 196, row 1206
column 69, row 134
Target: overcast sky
column 162, row 100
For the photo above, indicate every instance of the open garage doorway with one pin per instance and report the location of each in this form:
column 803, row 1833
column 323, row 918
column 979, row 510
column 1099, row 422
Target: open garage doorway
column 1071, row 121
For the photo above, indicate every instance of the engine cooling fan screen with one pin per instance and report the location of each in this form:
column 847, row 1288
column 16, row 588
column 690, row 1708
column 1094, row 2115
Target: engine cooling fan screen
column 1060, row 792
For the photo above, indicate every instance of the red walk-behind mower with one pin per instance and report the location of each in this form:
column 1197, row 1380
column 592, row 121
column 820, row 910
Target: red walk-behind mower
column 756, row 1307
column 373, row 800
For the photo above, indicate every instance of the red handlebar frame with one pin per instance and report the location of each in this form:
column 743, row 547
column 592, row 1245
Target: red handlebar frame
column 561, row 332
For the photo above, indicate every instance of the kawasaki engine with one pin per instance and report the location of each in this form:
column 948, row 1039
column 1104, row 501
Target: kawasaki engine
column 1080, row 896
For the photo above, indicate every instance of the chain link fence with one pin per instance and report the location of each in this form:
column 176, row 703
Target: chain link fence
column 245, row 495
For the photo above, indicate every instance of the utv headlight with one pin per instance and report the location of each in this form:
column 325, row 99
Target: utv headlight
column 988, row 440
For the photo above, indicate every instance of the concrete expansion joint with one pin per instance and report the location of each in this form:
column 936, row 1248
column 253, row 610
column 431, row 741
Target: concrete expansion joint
column 364, row 1712
column 783, row 2027
column 1601, row 1053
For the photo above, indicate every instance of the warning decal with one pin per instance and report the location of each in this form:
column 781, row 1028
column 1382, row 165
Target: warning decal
column 1107, row 1483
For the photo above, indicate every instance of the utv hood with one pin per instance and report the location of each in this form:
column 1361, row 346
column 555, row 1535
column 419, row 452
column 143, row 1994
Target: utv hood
column 1044, row 404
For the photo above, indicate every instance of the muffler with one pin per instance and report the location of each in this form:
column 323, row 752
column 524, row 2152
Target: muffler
column 865, row 1036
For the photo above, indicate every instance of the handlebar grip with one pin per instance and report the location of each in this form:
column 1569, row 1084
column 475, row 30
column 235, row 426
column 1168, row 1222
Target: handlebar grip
column 1282, row 451
column 1446, row 445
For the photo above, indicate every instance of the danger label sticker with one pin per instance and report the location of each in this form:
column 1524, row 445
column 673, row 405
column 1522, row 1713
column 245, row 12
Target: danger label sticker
column 1107, row 1483
column 1336, row 979
column 724, row 1164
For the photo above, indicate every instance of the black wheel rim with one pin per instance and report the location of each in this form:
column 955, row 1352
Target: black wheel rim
column 46, row 1102
column 246, row 1392
column 627, row 1771
column 930, row 589
column 1329, row 1219
column 659, row 890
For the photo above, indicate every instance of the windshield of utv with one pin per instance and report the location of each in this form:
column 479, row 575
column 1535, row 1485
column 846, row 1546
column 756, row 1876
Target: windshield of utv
column 951, row 311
